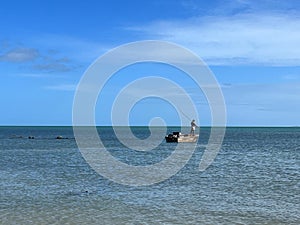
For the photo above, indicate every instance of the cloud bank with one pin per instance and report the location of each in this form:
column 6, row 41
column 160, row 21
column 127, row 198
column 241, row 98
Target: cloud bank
column 248, row 38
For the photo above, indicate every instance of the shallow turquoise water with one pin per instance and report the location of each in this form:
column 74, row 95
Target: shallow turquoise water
column 255, row 179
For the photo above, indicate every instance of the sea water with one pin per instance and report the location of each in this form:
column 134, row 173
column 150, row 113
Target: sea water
column 255, row 179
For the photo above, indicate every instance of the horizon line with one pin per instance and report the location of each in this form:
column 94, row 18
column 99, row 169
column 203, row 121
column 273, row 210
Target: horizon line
column 229, row 126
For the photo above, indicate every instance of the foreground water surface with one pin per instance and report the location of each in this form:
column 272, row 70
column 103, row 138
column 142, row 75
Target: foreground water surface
column 255, row 179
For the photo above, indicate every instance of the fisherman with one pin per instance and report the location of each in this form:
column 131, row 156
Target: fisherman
column 193, row 127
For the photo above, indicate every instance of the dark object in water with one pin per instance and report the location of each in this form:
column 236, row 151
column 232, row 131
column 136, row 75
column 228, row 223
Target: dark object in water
column 31, row 137
column 16, row 137
column 61, row 137
column 178, row 137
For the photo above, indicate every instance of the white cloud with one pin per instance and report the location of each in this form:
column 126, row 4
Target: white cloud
column 62, row 87
column 240, row 39
column 79, row 50
column 33, row 75
column 39, row 60
column 19, row 55
column 52, row 67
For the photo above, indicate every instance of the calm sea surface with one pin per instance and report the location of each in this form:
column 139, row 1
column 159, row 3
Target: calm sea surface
column 255, row 179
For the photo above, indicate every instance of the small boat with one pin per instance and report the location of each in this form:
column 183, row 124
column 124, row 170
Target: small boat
column 178, row 137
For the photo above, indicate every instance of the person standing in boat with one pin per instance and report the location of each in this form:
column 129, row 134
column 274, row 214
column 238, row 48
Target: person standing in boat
column 193, row 127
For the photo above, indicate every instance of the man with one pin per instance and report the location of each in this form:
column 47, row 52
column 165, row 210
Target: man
column 193, row 127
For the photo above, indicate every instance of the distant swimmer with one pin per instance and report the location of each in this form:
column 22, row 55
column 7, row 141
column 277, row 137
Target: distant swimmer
column 193, row 127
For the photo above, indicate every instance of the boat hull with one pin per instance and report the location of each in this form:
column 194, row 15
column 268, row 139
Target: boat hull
column 181, row 138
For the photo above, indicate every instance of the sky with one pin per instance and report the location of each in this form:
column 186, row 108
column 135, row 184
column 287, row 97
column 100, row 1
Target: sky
column 252, row 48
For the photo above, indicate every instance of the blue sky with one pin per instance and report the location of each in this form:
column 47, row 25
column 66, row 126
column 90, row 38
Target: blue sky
column 252, row 47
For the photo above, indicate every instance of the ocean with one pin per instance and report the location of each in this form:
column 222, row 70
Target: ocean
column 255, row 179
